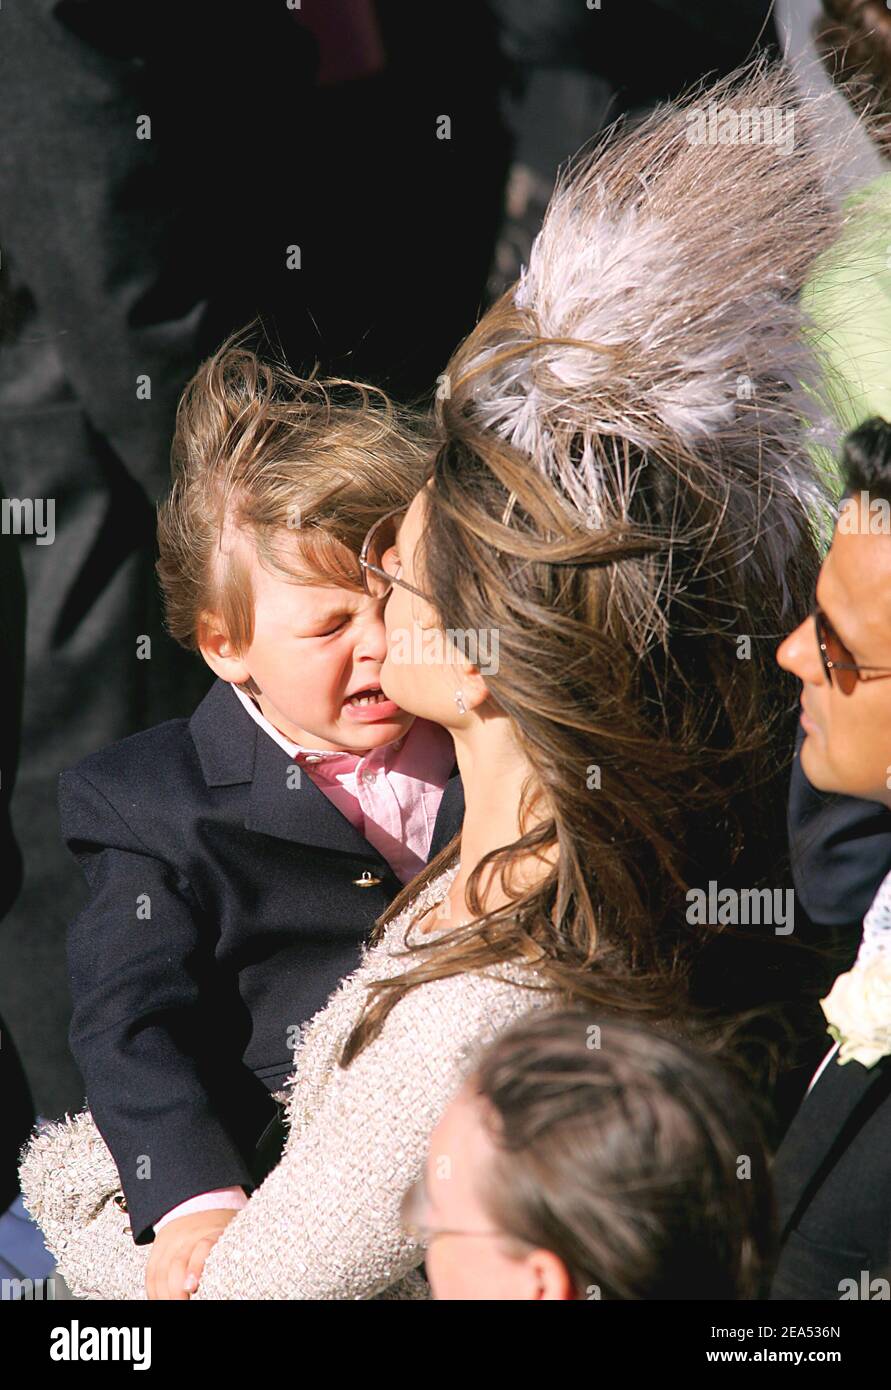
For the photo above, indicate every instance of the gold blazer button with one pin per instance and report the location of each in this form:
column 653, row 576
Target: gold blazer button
column 367, row 880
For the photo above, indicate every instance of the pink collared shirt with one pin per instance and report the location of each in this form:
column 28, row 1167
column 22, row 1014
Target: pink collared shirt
column 391, row 795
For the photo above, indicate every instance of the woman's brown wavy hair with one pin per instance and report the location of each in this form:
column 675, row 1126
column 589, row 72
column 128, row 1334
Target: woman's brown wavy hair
column 643, row 644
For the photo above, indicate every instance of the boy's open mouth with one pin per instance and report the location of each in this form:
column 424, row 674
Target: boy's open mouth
column 370, row 705
column 372, row 695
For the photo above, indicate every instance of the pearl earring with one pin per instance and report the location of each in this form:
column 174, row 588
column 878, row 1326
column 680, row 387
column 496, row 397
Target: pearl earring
column 459, row 701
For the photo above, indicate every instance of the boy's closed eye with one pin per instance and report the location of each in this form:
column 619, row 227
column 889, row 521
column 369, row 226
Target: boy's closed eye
column 326, row 621
column 329, row 627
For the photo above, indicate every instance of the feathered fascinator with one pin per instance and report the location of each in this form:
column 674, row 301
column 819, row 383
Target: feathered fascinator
column 659, row 315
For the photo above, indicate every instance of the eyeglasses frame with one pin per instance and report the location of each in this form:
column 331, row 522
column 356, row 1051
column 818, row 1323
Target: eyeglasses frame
column 821, row 623
column 423, row 1235
column 391, row 579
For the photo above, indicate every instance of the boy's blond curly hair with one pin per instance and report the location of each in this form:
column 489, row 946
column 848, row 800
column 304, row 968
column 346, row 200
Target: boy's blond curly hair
column 262, row 454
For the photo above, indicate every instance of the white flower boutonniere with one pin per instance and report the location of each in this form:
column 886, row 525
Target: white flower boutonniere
column 858, row 1011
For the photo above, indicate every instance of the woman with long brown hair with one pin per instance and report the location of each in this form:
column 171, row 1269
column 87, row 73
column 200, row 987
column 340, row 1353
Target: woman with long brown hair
column 586, row 593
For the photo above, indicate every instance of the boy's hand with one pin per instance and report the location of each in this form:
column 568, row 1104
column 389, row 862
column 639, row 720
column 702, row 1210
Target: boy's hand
column 179, row 1251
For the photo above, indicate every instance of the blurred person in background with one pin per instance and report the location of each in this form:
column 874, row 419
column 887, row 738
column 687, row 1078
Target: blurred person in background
column 574, row 67
column 22, row 1252
column 594, row 1160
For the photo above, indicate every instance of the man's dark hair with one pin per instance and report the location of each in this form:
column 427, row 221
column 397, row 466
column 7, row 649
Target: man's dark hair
column 866, row 459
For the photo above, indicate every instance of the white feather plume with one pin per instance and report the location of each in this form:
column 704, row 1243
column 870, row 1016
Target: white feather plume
column 678, row 265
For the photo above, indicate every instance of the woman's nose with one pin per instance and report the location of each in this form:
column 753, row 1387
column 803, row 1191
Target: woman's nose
column 800, row 654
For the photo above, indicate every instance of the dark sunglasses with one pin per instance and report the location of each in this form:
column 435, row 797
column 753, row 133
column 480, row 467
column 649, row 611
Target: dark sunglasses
column 840, row 669
column 378, row 561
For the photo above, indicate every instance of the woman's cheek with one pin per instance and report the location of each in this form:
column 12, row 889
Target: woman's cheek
column 389, row 678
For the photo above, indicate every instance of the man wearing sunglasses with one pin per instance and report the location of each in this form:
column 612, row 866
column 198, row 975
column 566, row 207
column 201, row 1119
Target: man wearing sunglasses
column 833, row 1171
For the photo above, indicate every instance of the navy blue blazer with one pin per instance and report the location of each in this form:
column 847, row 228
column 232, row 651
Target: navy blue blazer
column 224, row 908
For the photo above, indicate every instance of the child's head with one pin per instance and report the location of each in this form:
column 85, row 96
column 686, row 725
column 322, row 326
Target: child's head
column 276, row 481
column 585, row 1162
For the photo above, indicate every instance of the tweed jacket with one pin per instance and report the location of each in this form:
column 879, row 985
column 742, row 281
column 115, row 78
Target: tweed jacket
column 325, row 1222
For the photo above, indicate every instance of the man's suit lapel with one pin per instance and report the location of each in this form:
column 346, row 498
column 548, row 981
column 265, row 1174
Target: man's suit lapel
column 827, row 1120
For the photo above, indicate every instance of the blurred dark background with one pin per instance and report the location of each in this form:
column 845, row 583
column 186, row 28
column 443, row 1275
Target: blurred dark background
column 126, row 260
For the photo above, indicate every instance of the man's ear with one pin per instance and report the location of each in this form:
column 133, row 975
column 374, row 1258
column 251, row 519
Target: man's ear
column 219, row 652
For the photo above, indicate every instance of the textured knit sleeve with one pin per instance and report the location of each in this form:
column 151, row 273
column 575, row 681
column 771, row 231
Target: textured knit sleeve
column 325, row 1223
column 69, row 1186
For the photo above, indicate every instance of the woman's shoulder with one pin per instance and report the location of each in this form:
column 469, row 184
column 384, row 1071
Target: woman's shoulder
column 457, row 1009
column 446, row 1013
column 434, row 1030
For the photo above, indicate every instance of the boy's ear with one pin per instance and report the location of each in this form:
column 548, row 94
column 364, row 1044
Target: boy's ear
column 218, row 652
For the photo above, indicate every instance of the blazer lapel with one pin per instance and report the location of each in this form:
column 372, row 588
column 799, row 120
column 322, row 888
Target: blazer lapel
column 302, row 812
column 225, row 737
column 827, row 1120
column 234, row 750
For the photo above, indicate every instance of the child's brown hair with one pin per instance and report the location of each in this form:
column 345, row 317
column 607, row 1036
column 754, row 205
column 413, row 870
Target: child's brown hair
column 259, row 450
